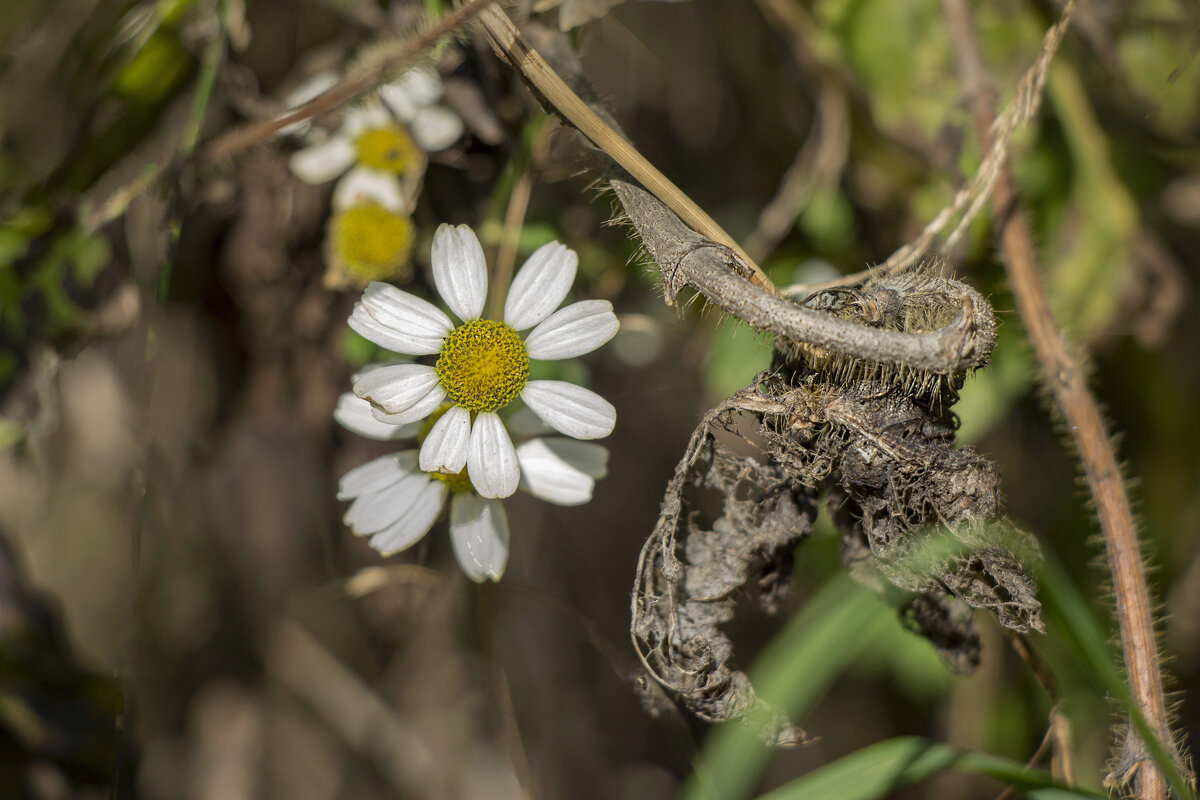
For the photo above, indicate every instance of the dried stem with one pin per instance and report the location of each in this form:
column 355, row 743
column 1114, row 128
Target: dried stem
column 971, row 197
column 530, row 65
column 1079, row 408
column 719, row 270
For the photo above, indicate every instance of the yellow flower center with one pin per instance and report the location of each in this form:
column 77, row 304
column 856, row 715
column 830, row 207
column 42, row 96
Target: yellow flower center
column 483, row 365
column 372, row 243
column 390, row 149
column 457, row 482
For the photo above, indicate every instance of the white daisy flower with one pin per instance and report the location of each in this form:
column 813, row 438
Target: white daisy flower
column 391, row 136
column 395, row 503
column 483, row 365
column 370, row 235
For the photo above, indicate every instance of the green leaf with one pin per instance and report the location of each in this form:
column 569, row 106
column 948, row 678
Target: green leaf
column 875, row 770
column 735, row 355
column 793, row 673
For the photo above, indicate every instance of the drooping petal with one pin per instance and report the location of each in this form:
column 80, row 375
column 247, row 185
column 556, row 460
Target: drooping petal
column 540, row 285
column 414, row 413
column 354, row 414
column 479, row 536
column 491, row 459
column 561, row 471
column 373, row 512
column 459, row 270
column 436, row 128
column 570, row 409
column 445, row 448
column 572, row 331
column 399, row 321
column 396, row 388
column 363, row 185
column 321, row 163
column 408, row 530
column 377, row 474
column 416, row 88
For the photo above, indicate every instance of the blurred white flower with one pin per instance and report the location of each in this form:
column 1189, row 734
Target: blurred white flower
column 369, row 236
column 395, row 503
column 390, row 133
column 482, row 364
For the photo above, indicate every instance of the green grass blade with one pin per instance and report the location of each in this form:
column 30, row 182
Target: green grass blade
column 874, row 771
column 793, row 672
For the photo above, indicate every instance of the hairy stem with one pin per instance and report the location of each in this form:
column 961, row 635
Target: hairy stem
column 1079, row 408
column 717, row 268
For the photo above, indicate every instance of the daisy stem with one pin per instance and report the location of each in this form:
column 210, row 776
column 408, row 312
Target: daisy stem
column 524, row 164
column 506, row 254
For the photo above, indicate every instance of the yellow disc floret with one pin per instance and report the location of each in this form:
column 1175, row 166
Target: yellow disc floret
column 457, row 482
column 372, row 243
column 390, row 149
column 483, row 365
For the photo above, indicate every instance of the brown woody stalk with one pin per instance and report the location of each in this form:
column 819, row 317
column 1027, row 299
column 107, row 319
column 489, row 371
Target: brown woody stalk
column 1069, row 389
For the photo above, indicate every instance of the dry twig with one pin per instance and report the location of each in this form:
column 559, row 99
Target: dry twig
column 971, row 198
column 1072, row 396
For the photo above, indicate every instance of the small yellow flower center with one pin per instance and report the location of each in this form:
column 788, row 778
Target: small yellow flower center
column 457, row 482
column 483, row 365
column 390, row 149
column 372, row 243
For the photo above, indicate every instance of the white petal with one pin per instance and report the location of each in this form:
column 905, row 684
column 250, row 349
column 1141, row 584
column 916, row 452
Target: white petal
column 321, row 163
column 405, row 96
column 365, row 186
column 540, row 285
column 416, row 412
column 561, row 471
column 374, row 512
column 523, row 422
column 445, row 448
column 479, row 535
column 377, row 474
column 311, row 88
column 358, row 119
column 570, row 409
column 399, row 321
column 408, row 530
column 491, row 458
column 396, row 388
column 354, row 414
column 572, row 331
column 459, row 270
column 436, row 128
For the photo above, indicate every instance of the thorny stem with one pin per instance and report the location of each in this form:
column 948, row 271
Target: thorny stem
column 1071, row 394
column 690, row 256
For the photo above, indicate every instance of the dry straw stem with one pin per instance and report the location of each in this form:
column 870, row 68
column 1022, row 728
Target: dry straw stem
column 351, row 88
column 1079, row 408
column 507, row 40
column 718, row 270
column 971, row 198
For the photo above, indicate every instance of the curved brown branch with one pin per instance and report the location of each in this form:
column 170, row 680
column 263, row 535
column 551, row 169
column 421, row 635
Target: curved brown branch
column 1079, row 408
column 686, row 258
column 692, row 254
